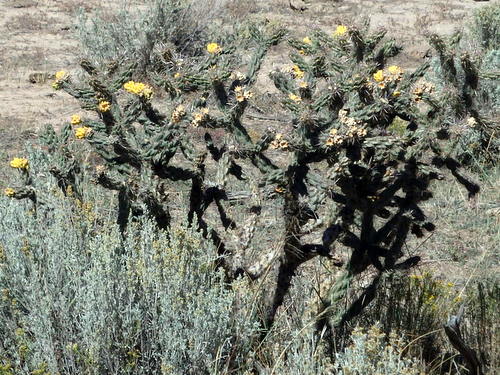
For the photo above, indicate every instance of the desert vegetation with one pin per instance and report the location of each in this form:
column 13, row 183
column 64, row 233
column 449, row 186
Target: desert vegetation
column 235, row 196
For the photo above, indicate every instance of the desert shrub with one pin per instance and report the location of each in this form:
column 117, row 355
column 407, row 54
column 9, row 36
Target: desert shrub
column 77, row 298
column 371, row 353
column 147, row 32
column 485, row 28
column 418, row 305
column 480, row 324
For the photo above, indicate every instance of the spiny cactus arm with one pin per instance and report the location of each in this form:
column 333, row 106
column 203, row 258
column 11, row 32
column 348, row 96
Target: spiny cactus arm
column 282, row 82
column 227, row 222
column 194, row 82
column 125, row 152
column 124, row 76
column 364, row 299
column 411, row 78
column 471, row 74
column 264, row 40
column 67, row 178
column 388, row 50
column 373, row 40
column 336, row 294
column 169, row 85
column 358, row 44
column 217, row 153
column 446, row 58
column 49, row 138
column 109, row 181
column 26, row 192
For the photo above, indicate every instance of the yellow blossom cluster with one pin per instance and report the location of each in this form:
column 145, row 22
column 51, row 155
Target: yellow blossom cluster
column 214, row 48
column 395, row 71
column 241, row 94
column 76, row 120
column 340, row 30
column 280, row 143
column 60, row 77
column 104, row 106
column 294, row 98
column 19, row 163
column 378, row 76
column 178, row 113
column 423, row 88
column 295, row 71
column 139, row 89
column 200, row 117
column 346, row 120
column 393, row 74
column 356, row 132
column 334, row 139
column 9, row 192
column 307, row 40
column 83, row 132
column 303, row 85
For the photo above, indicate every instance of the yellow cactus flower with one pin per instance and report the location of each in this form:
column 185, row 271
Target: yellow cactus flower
column 303, row 85
column 340, row 30
column 307, row 40
column 396, row 93
column 104, row 106
column 139, row 89
column 241, row 94
column 177, row 75
column 83, row 132
column 394, row 69
column 178, row 114
column 214, row 48
column 134, row 87
column 9, row 192
column 19, row 163
column 200, row 117
column 280, row 143
column 76, row 120
column 297, row 72
column 61, row 75
column 379, row 76
column 295, row 98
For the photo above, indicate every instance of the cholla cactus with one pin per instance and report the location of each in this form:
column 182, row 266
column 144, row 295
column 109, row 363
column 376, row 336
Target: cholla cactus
column 467, row 102
column 339, row 175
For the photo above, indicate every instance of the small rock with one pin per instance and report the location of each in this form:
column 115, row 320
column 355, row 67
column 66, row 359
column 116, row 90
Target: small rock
column 297, row 5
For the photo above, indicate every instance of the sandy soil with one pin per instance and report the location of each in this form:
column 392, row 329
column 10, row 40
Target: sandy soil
column 36, row 37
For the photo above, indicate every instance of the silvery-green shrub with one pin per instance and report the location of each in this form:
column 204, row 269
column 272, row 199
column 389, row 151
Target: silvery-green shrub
column 77, row 298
